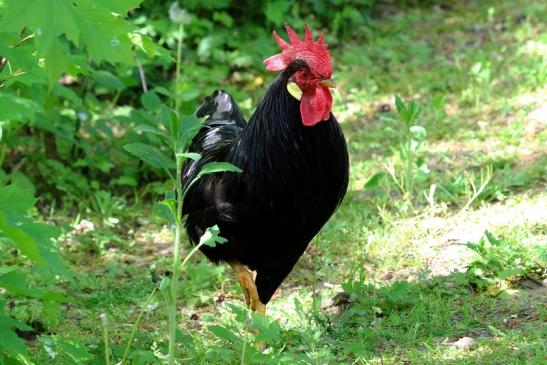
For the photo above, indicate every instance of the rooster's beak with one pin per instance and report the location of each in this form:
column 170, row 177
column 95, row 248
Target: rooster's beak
column 328, row 83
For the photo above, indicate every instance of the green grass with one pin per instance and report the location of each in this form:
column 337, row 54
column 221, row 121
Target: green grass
column 478, row 72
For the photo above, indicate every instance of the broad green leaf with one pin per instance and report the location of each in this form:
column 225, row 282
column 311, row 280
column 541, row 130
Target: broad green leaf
column 150, row 100
column 75, row 351
column 47, row 19
column 55, row 61
column 9, row 341
column 189, row 95
column 67, row 93
column 168, row 119
column 151, row 156
column 16, row 282
column 374, row 181
column 15, row 200
column 214, row 167
column 268, row 330
column 151, row 49
column 104, row 34
column 190, row 125
column 275, row 10
column 119, row 6
column 125, row 180
column 168, row 209
column 13, row 229
column 223, row 333
column 14, row 108
column 108, row 80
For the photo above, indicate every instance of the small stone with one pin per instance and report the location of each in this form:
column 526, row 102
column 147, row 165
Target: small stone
column 464, row 343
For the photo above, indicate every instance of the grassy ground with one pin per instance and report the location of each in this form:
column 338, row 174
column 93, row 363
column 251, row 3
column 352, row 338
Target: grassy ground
column 479, row 72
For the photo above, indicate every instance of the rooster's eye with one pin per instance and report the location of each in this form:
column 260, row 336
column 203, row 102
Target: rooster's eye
column 305, row 73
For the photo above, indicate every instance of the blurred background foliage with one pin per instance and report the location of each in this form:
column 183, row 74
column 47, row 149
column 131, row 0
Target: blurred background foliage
column 71, row 85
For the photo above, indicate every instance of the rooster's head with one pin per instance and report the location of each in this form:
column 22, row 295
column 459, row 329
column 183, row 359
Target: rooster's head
column 312, row 75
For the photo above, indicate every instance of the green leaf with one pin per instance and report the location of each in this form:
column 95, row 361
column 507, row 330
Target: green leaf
column 104, row 34
column 168, row 119
column 400, row 105
column 14, row 108
column 275, row 10
column 47, row 19
column 413, row 110
column 267, row 329
column 149, row 129
column 396, row 291
column 418, row 132
column 165, row 283
column 119, row 6
column 108, row 80
column 16, row 200
column 55, row 61
column 11, row 229
column 16, row 283
column 190, row 155
column 374, row 181
column 214, row 167
column 151, row 156
column 150, row 100
column 9, row 341
column 125, row 180
column 168, row 209
column 189, row 127
column 75, row 351
column 211, row 237
column 223, row 333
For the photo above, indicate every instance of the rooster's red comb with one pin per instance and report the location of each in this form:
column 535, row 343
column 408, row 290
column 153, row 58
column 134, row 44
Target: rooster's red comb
column 315, row 54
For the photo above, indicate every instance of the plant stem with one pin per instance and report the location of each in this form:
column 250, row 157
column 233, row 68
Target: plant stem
column 178, row 68
column 104, row 322
column 172, row 300
column 409, row 159
column 136, row 326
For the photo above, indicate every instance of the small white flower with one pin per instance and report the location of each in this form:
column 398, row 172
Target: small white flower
column 179, row 15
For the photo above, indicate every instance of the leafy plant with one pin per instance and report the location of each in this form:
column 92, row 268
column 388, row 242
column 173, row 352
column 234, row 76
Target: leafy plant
column 177, row 134
column 501, row 260
column 412, row 164
column 26, row 242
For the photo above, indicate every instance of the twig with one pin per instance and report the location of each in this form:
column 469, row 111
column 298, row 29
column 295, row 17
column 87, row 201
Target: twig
column 3, row 62
column 141, row 73
column 21, row 41
column 18, row 166
column 485, row 180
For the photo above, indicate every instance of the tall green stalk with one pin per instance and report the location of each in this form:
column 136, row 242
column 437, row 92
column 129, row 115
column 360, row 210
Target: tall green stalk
column 178, row 67
column 173, row 289
column 409, row 171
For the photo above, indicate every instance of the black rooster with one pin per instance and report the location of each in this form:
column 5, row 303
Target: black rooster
column 295, row 170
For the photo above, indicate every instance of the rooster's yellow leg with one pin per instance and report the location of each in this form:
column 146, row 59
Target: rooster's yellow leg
column 245, row 279
column 243, row 276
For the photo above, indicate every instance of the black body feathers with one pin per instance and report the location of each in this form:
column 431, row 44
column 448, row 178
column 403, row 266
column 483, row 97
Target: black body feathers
column 294, row 177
